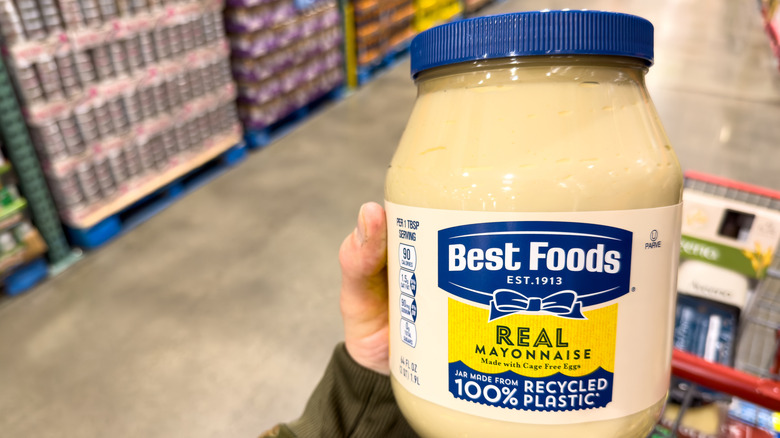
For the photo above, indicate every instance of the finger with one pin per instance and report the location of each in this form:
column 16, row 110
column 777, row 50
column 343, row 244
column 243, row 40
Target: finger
column 363, row 255
column 364, row 289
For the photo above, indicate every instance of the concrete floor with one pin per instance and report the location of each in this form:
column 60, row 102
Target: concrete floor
column 217, row 317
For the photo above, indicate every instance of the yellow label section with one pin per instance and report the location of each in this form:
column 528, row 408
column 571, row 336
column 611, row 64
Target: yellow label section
column 532, row 345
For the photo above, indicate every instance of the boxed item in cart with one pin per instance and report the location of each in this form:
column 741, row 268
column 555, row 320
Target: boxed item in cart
column 729, row 234
column 746, row 420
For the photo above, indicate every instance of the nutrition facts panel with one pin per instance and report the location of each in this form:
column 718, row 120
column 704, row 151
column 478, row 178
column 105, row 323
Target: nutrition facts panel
column 407, row 282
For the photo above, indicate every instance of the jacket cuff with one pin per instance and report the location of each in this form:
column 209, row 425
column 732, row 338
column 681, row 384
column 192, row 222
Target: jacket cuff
column 351, row 401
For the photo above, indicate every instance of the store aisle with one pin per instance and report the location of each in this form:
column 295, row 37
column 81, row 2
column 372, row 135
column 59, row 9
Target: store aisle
column 217, row 317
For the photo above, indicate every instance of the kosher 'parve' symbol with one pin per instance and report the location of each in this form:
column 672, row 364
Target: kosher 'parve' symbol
column 654, row 235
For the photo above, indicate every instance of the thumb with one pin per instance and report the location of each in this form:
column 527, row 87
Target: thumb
column 363, row 258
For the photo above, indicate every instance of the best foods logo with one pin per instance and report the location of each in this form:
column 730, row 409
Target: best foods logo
column 553, row 268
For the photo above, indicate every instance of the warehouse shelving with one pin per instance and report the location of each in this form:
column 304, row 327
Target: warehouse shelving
column 30, row 176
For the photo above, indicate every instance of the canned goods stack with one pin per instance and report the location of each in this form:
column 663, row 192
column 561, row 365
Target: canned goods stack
column 381, row 27
column 117, row 93
column 285, row 55
column 429, row 13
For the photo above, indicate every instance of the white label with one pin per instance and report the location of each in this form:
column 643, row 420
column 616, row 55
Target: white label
column 533, row 317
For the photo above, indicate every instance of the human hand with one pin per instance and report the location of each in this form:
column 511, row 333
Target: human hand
column 363, row 259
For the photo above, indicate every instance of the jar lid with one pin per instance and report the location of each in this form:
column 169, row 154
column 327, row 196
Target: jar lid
column 542, row 33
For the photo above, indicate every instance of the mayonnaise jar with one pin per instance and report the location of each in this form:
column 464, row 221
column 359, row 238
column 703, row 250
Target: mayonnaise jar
column 533, row 212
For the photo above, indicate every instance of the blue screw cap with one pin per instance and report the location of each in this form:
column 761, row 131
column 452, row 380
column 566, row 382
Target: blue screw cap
column 542, row 33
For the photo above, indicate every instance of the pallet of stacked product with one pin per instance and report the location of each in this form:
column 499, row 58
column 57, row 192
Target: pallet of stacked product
column 121, row 97
column 382, row 32
column 398, row 23
column 370, row 33
column 286, row 55
column 430, row 13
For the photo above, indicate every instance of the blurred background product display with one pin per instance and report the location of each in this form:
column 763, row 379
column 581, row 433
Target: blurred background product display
column 472, row 6
column 770, row 9
column 121, row 98
column 284, row 56
column 126, row 103
column 430, row 13
column 224, row 308
column 377, row 32
column 21, row 246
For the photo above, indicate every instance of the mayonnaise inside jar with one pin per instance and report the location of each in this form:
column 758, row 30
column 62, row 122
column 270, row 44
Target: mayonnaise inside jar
column 533, row 231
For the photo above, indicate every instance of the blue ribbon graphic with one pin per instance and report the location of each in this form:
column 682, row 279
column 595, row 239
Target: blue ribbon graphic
column 508, row 302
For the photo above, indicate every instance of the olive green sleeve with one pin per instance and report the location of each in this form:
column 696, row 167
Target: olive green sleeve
column 350, row 401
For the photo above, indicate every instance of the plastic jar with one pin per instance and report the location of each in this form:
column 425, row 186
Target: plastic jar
column 533, row 231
